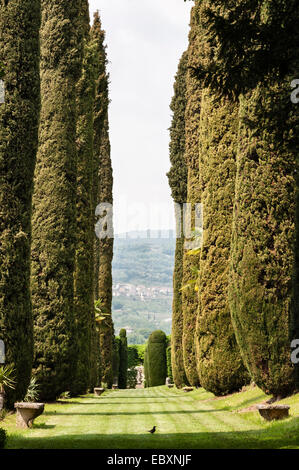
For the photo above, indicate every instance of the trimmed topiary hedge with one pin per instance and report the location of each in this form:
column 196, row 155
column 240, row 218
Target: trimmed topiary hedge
column 123, row 359
column 156, row 360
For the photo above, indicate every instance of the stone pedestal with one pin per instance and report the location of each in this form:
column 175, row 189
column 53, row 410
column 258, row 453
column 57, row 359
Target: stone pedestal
column 98, row 391
column 273, row 412
column 188, row 389
column 27, row 413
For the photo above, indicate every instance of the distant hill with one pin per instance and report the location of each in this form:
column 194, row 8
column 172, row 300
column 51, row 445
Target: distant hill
column 142, row 282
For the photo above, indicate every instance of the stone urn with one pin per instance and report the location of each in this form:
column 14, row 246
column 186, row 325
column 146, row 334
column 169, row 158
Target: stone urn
column 273, row 412
column 27, row 413
column 98, row 391
column 114, row 387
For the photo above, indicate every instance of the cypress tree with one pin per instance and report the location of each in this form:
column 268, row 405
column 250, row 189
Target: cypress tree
column 178, row 183
column 156, row 359
column 54, row 200
column 146, row 376
column 123, row 359
column 264, row 266
column 87, row 373
column 220, row 365
column 103, row 187
column 115, row 360
column 105, row 259
column 191, row 262
column 19, row 115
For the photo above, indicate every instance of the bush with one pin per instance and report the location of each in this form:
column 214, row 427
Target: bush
column 133, row 357
column 156, row 352
column 132, row 377
column 123, row 357
column 3, row 438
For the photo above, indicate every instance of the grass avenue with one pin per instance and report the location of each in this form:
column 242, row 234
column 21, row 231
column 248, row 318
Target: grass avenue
column 121, row 419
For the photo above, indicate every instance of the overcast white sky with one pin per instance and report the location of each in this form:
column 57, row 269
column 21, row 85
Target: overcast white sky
column 145, row 40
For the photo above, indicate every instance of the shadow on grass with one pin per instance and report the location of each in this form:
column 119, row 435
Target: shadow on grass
column 43, row 426
column 129, row 413
column 262, row 439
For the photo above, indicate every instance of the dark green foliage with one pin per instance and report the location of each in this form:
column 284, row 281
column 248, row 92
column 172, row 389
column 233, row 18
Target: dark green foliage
column 3, row 438
column 263, row 289
column 102, row 185
column 123, row 357
column 19, row 115
column 219, row 361
column 84, row 269
column 146, row 368
column 133, row 356
column 169, row 365
column 178, row 183
column 191, row 263
column 54, row 200
column 250, row 39
column 156, row 359
column 116, row 359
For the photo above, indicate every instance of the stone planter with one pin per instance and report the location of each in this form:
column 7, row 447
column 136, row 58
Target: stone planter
column 27, row 413
column 2, row 397
column 188, row 389
column 114, row 387
column 273, row 412
column 98, row 391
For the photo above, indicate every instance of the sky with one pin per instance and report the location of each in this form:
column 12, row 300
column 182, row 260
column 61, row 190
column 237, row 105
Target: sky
column 145, row 40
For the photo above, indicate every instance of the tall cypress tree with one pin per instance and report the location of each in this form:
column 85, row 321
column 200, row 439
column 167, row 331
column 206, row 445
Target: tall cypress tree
column 87, row 369
column 105, row 260
column 191, row 262
column 219, row 361
column 178, row 183
column 256, row 53
column 54, row 200
column 264, row 266
column 19, row 115
column 103, row 194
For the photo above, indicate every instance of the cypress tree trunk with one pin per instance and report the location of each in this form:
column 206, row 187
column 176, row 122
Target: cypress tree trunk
column 220, row 367
column 54, row 201
column 264, row 289
column 191, row 262
column 123, row 360
column 84, row 273
column 19, row 115
column 178, row 183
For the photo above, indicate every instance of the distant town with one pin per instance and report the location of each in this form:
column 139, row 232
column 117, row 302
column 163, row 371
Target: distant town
column 141, row 292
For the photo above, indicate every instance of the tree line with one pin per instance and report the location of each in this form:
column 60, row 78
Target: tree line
column 234, row 150
column 55, row 168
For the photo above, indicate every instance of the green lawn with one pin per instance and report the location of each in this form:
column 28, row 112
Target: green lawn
column 120, row 419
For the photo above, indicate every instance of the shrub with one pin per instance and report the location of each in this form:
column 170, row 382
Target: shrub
column 132, row 377
column 156, row 351
column 123, row 360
